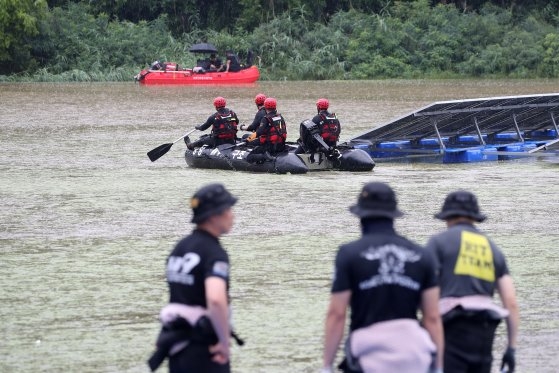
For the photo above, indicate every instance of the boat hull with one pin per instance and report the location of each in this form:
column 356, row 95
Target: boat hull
column 235, row 159
column 349, row 160
column 188, row 77
column 225, row 158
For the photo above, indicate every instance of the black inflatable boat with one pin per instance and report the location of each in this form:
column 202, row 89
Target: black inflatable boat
column 228, row 157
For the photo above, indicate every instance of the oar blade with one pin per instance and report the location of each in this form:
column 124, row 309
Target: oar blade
column 158, row 152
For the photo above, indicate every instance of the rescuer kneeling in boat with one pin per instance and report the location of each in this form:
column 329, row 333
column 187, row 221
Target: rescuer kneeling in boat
column 195, row 324
column 325, row 125
column 270, row 136
column 260, row 113
column 224, row 127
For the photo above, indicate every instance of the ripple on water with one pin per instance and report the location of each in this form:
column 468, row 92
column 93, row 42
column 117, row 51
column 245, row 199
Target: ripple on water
column 87, row 220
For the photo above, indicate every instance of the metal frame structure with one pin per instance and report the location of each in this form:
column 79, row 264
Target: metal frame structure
column 517, row 124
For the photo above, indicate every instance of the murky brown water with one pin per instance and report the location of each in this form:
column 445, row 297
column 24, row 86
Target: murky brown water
column 87, row 221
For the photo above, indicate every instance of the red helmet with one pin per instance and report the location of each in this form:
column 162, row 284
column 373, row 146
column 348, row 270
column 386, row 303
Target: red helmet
column 219, row 102
column 322, row 104
column 259, row 99
column 270, row 103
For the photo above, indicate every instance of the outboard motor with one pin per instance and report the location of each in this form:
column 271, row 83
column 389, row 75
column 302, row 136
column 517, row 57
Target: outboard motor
column 307, row 131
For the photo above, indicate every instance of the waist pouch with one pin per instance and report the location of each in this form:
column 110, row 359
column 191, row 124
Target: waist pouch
column 203, row 332
column 474, row 315
column 180, row 330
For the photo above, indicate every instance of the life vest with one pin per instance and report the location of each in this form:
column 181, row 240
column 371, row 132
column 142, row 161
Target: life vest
column 329, row 127
column 225, row 125
column 171, row 66
column 165, row 66
column 277, row 130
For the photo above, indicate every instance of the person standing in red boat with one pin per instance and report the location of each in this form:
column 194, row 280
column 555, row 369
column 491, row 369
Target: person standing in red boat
column 224, row 127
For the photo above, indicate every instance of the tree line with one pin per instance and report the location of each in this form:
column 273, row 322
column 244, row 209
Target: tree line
column 49, row 40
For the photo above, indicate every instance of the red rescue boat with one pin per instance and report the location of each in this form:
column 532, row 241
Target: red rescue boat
column 171, row 74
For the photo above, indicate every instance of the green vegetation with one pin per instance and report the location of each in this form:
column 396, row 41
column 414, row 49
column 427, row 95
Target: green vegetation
column 111, row 40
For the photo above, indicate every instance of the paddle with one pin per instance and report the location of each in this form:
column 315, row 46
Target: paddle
column 161, row 150
column 321, row 141
column 234, row 145
column 331, row 153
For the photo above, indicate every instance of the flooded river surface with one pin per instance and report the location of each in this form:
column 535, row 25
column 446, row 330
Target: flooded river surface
column 87, row 221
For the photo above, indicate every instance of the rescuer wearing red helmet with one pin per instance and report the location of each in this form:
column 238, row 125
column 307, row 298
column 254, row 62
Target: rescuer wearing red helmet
column 224, row 127
column 261, row 113
column 270, row 136
column 327, row 125
column 259, row 99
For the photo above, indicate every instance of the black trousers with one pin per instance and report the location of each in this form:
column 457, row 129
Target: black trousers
column 258, row 154
column 211, row 141
column 196, row 358
column 469, row 342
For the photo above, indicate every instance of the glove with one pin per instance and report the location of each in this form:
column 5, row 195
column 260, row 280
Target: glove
column 251, row 137
column 198, row 127
column 242, row 127
column 508, row 360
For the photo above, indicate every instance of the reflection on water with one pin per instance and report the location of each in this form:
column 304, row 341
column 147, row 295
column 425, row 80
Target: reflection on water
column 87, row 220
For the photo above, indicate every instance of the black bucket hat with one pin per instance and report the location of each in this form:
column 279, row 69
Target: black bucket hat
column 210, row 200
column 376, row 200
column 460, row 203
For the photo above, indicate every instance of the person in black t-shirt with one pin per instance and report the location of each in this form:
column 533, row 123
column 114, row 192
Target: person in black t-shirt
column 232, row 63
column 214, row 63
column 471, row 268
column 198, row 277
column 384, row 278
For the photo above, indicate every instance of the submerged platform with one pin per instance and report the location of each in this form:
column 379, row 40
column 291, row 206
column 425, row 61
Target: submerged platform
column 474, row 130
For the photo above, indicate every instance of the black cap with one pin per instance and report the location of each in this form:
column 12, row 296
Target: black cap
column 376, row 200
column 210, row 200
column 460, row 203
